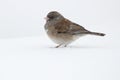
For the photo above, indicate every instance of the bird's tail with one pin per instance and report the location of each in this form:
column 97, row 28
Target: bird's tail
column 97, row 34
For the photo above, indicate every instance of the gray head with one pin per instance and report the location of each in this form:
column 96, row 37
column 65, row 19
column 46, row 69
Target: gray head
column 54, row 15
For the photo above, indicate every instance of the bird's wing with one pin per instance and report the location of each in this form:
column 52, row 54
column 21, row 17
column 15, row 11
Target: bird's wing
column 77, row 29
column 62, row 26
column 66, row 26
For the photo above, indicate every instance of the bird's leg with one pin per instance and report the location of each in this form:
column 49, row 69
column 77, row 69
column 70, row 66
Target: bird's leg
column 65, row 45
column 58, row 46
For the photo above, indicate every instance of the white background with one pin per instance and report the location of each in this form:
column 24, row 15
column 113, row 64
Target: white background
column 26, row 53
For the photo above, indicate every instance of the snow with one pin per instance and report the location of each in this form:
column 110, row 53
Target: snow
column 35, row 58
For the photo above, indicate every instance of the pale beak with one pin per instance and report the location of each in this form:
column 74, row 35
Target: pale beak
column 46, row 18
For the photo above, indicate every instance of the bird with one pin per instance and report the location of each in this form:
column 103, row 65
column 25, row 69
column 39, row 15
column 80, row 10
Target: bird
column 62, row 31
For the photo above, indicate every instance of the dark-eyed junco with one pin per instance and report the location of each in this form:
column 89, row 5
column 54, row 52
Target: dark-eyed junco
column 63, row 31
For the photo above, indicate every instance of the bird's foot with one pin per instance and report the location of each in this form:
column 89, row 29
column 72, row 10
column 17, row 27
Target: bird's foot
column 65, row 45
column 58, row 46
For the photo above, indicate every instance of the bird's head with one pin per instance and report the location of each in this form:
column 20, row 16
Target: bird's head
column 53, row 15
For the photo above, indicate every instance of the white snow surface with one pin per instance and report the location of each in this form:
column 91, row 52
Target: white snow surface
column 35, row 58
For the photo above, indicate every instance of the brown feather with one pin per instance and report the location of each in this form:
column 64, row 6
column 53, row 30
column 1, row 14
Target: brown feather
column 63, row 26
column 66, row 26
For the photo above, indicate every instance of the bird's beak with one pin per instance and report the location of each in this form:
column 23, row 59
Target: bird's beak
column 46, row 18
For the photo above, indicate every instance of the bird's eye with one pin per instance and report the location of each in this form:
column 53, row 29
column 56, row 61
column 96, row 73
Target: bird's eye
column 51, row 16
